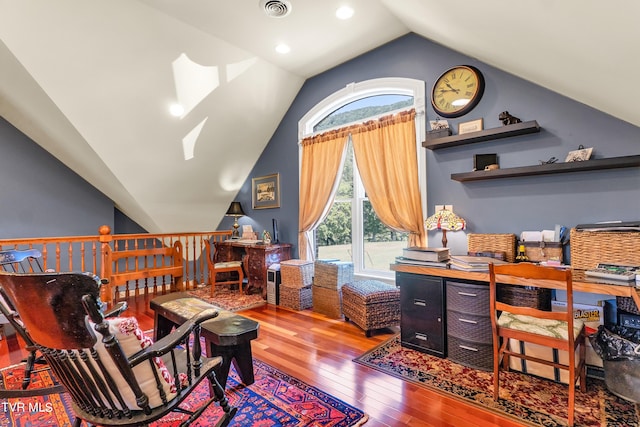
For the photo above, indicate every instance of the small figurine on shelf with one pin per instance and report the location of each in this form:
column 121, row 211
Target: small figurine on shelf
column 522, row 254
column 508, row 119
column 266, row 237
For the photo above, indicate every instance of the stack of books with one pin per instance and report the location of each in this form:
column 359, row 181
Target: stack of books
column 428, row 257
column 472, row 263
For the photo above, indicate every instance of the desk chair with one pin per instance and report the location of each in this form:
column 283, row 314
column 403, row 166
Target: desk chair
column 216, row 268
column 557, row 330
column 28, row 261
column 112, row 371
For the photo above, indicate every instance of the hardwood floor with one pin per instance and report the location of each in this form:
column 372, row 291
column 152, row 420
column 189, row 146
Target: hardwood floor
column 319, row 351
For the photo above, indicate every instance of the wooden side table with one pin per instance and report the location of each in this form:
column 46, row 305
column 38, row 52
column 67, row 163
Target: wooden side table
column 229, row 335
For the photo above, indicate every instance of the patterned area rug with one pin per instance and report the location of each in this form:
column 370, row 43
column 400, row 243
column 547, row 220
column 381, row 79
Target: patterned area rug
column 526, row 398
column 275, row 399
column 227, row 299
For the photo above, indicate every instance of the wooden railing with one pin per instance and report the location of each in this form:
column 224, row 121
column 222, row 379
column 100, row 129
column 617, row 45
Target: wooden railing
column 85, row 253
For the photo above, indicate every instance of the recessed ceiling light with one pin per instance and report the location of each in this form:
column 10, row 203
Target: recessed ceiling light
column 283, row 48
column 176, row 110
column 344, row 12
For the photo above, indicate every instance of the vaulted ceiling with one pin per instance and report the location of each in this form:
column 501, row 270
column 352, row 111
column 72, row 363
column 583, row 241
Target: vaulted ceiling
column 92, row 81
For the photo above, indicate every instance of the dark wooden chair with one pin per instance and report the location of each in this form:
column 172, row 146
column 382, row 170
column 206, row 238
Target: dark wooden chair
column 28, row 261
column 558, row 330
column 113, row 373
column 221, row 268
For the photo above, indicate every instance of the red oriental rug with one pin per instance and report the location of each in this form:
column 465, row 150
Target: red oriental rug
column 525, row 398
column 275, row 399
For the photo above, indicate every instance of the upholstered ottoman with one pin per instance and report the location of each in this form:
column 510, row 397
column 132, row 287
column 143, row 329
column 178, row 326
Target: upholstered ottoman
column 371, row 304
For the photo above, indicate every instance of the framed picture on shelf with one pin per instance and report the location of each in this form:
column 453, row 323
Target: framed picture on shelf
column 579, row 155
column 468, row 127
column 438, row 124
column 265, row 191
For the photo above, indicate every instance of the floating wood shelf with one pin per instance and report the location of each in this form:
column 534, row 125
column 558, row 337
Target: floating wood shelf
column 483, row 135
column 547, row 169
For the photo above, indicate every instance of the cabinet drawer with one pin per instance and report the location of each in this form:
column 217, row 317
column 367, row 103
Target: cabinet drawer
column 468, row 298
column 470, row 327
column 474, row 355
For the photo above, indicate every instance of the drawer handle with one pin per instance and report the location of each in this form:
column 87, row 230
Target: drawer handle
column 468, row 348
column 468, row 321
column 467, row 294
column 421, row 302
column 422, row 337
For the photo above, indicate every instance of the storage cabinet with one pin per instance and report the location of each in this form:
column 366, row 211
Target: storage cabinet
column 422, row 313
column 469, row 337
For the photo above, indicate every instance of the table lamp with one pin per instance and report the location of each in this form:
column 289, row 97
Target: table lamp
column 235, row 210
column 445, row 220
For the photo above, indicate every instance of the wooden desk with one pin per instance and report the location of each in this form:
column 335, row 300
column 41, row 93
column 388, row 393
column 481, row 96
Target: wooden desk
column 255, row 258
column 579, row 283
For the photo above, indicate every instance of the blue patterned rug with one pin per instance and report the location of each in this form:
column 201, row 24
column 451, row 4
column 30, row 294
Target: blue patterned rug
column 275, row 399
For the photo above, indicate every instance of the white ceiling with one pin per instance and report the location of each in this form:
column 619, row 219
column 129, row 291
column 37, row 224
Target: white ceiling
column 92, row 80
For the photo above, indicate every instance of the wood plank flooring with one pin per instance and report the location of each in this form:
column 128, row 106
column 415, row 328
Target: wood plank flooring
column 319, row 351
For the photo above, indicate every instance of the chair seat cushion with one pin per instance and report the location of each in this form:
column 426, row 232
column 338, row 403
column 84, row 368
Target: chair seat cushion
column 229, row 264
column 534, row 325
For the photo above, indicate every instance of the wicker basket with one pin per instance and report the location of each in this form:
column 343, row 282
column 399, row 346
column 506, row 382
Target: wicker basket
column 539, row 298
column 296, row 273
column 543, row 251
column 296, row 298
column 493, row 243
column 327, row 301
column 589, row 248
column 332, row 275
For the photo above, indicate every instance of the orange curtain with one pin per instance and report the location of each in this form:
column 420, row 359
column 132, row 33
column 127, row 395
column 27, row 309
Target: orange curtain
column 321, row 167
column 385, row 152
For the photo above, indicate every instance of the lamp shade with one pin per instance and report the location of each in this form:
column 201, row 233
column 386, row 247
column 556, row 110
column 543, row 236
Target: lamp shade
column 235, row 209
column 445, row 220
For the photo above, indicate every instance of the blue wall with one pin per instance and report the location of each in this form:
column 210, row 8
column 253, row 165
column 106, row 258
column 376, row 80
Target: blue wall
column 41, row 197
column 496, row 206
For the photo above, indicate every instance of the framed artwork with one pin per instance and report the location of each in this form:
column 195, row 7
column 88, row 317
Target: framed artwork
column 579, row 155
column 468, row 127
column 265, row 191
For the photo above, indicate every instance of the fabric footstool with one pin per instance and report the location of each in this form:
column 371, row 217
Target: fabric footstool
column 371, row 304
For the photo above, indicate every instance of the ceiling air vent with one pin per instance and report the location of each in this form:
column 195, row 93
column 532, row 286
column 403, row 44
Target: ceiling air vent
column 276, row 8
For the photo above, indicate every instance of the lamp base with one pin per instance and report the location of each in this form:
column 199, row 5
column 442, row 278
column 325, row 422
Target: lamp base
column 444, row 238
column 235, row 234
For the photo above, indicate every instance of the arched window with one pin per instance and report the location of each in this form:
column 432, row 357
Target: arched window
column 352, row 231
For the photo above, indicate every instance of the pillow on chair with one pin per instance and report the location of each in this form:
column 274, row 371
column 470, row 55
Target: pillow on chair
column 132, row 339
column 546, row 327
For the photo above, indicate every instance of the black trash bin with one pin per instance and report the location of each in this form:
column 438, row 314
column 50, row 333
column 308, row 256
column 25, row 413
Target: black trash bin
column 619, row 348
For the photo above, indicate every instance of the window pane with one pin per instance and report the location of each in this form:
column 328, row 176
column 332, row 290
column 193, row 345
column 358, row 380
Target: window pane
column 364, row 108
column 381, row 244
column 333, row 236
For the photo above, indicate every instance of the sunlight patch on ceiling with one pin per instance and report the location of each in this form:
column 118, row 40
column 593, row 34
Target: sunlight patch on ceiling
column 237, row 69
column 194, row 82
column 189, row 141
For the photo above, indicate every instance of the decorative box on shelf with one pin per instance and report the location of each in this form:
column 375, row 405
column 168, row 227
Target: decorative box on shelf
column 438, row 133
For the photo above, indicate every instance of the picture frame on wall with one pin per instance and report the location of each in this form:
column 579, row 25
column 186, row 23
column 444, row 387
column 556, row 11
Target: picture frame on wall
column 265, row 191
column 468, row 127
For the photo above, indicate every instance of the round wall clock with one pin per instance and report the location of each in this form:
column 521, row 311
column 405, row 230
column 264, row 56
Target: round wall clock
column 457, row 91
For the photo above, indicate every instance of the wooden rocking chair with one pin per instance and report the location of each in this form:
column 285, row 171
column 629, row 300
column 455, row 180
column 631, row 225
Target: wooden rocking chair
column 113, row 373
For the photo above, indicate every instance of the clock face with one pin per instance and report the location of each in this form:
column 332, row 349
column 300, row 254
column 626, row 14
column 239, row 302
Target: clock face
column 457, row 91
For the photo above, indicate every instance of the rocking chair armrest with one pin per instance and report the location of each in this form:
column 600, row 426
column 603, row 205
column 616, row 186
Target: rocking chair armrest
column 171, row 341
column 116, row 310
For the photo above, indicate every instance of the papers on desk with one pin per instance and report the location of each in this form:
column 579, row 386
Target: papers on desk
column 472, row 263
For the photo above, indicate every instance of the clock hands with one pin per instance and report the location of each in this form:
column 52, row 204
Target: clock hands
column 452, row 89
